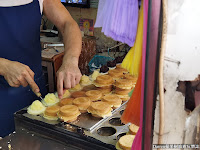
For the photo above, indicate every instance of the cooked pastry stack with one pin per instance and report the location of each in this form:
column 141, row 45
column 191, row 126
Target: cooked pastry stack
column 94, row 95
column 68, row 113
column 100, row 109
column 125, row 142
column 36, row 108
column 115, row 74
column 66, row 101
column 104, row 83
column 51, row 112
column 113, row 100
column 131, row 78
column 82, row 103
column 121, row 69
column 122, row 88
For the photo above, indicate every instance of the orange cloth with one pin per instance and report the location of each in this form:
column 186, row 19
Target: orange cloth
column 132, row 111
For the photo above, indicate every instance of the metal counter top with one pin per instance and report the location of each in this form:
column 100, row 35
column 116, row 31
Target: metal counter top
column 26, row 140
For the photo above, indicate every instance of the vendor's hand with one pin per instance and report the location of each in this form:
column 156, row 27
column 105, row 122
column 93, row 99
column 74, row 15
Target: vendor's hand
column 68, row 75
column 17, row 74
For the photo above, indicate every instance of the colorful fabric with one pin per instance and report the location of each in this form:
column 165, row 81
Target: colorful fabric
column 132, row 60
column 118, row 19
column 137, row 143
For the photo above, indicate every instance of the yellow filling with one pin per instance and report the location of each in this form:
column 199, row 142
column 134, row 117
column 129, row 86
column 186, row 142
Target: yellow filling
column 50, row 99
column 85, row 80
column 95, row 74
column 36, row 108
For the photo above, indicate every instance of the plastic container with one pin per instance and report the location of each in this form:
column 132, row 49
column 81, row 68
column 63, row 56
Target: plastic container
column 98, row 61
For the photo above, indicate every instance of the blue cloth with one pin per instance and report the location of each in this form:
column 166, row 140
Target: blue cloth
column 20, row 41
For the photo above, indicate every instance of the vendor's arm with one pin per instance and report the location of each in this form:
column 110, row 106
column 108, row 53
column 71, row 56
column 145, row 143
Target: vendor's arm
column 69, row 74
column 17, row 74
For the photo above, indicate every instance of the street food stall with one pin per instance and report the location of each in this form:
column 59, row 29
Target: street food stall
column 98, row 112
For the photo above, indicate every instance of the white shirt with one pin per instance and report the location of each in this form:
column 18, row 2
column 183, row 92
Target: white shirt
column 10, row 3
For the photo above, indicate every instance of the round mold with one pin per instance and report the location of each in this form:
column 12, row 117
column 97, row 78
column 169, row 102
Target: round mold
column 116, row 122
column 121, row 112
column 106, row 131
column 120, row 135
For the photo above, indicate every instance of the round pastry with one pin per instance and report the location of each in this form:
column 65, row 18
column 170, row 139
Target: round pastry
column 69, row 113
column 85, row 80
column 123, row 70
column 50, row 100
column 133, row 129
column 124, row 97
column 120, row 91
column 105, row 89
column 83, row 103
column 103, row 80
column 78, row 94
column 131, row 78
column 104, row 69
column 123, row 84
column 36, row 108
column 51, row 112
column 89, row 87
column 94, row 95
column 113, row 100
column 100, row 109
column 66, row 101
column 115, row 74
column 125, row 142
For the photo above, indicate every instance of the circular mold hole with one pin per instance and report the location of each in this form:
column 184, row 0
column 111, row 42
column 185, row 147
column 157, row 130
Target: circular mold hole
column 116, row 122
column 120, row 135
column 121, row 112
column 106, row 131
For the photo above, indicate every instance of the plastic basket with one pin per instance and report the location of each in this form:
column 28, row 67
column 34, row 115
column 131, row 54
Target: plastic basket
column 97, row 61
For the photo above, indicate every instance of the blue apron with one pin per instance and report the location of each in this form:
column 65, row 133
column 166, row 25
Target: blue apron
column 19, row 41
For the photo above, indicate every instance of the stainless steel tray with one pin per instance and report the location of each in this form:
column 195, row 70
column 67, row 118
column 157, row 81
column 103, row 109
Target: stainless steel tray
column 85, row 121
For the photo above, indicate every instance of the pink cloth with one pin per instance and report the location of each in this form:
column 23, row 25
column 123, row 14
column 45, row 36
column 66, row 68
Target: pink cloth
column 137, row 143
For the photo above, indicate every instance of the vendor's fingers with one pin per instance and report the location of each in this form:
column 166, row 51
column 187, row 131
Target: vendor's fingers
column 22, row 81
column 32, row 83
column 60, row 86
column 78, row 78
column 30, row 72
column 67, row 82
column 73, row 81
column 14, row 85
